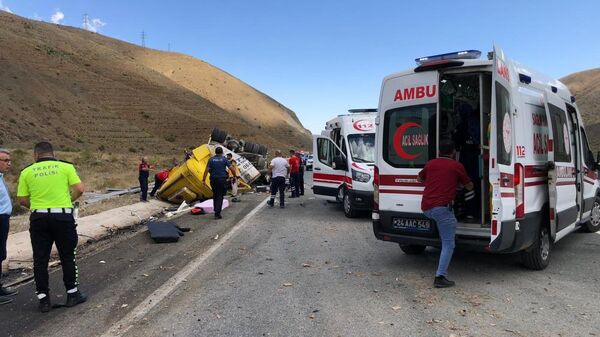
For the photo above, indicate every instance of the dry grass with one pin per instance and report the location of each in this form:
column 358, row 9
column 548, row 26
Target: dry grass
column 84, row 91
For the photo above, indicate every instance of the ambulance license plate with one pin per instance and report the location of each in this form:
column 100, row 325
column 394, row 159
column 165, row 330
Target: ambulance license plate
column 416, row 225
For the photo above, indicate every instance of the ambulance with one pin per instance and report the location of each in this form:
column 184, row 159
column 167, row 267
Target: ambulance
column 344, row 155
column 520, row 137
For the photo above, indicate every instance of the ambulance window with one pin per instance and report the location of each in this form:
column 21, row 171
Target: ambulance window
column 326, row 150
column 504, row 136
column 409, row 136
column 587, row 153
column 560, row 134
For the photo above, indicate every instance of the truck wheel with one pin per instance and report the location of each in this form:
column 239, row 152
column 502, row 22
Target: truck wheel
column 262, row 150
column 218, row 135
column 537, row 257
column 593, row 225
column 349, row 211
column 248, row 147
column 413, row 249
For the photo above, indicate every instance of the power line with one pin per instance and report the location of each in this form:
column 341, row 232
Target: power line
column 143, row 39
column 86, row 21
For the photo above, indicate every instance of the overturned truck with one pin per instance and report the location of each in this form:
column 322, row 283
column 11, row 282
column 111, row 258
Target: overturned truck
column 185, row 181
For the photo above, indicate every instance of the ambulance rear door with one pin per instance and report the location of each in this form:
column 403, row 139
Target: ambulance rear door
column 501, row 145
column 326, row 178
column 406, row 140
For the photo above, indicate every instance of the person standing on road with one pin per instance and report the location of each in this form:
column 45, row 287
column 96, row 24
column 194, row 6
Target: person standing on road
column 144, row 173
column 301, row 174
column 235, row 179
column 5, row 212
column 279, row 168
column 294, row 173
column 48, row 188
column 217, row 167
column 441, row 177
column 159, row 178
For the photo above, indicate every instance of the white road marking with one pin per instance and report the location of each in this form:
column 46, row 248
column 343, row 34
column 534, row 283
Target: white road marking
column 138, row 313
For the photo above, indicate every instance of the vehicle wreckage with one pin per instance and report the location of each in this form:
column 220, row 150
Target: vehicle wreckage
column 185, row 180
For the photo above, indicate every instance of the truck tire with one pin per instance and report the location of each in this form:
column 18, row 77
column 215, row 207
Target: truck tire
column 349, row 210
column 593, row 225
column 537, row 257
column 262, row 150
column 248, row 147
column 413, row 249
column 218, row 135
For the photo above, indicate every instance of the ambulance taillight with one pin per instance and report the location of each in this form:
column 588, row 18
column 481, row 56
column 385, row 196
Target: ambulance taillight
column 519, row 184
column 376, row 189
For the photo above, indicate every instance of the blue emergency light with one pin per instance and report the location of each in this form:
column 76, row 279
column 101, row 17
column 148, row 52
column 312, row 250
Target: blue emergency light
column 459, row 55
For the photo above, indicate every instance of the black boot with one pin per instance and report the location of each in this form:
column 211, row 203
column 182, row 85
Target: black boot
column 5, row 300
column 442, row 282
column 45, row 305
column 75, row 298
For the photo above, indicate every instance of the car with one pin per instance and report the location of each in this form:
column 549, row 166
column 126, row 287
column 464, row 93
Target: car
column 309, row 162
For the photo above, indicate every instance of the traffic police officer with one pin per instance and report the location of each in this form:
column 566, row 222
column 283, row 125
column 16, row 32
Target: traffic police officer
column 217, row 167
column 48, row 188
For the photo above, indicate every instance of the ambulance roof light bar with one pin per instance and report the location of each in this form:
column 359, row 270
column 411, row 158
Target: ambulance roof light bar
column 470, row 54
column 353, row 111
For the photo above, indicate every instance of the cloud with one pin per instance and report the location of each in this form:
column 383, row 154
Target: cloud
column 4, row 8
column 57, row 17
column 93, row 25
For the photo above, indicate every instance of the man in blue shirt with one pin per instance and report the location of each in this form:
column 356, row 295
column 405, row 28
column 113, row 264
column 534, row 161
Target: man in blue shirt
column 217, row 167
column 5, row 211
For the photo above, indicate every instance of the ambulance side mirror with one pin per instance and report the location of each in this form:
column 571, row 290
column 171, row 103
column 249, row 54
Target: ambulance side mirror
column 339, row 163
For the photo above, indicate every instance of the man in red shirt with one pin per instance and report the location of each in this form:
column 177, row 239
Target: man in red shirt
column 159, row 178
column 441, row 176
column 294, row 174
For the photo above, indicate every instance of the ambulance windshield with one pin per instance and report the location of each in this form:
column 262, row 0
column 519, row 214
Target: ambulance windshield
column 362, row 147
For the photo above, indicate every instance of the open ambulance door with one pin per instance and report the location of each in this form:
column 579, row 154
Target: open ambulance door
column 551, row 167
column 503, row 204
column 327, row 178
column 562, row 172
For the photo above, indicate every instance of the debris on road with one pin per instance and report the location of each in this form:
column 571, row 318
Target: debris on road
column 287, row 284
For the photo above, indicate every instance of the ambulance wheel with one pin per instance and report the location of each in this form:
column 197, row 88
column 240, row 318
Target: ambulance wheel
column 537, row 257
column 413, row 249
column 593, row 225
column 349, row 211
column 218, row 135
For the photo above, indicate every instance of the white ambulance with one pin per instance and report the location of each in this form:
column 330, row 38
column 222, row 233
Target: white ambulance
column 518, row 134
column 344, row 156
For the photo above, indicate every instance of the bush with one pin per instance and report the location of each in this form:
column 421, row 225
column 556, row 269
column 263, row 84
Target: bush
column 132, row 150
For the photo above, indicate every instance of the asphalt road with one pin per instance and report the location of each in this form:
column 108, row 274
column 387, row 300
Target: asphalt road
column 306, row 270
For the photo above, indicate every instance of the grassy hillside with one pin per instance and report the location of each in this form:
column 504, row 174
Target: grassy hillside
column 84, row 91
column 585, row 86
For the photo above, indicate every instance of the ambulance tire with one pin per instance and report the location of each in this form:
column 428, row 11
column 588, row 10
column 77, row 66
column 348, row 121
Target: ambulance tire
column 218, row 135
column 413, row 249
column 593, row 225
column 537, row 257
column 349, row 210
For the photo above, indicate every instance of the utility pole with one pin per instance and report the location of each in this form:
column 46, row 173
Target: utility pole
column 143, row 39
column 169, row 47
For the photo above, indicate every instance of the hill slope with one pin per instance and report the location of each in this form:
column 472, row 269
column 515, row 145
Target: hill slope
column 585, row 85
column 81, row 90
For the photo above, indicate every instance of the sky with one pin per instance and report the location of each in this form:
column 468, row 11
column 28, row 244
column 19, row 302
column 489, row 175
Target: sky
column 321, row 58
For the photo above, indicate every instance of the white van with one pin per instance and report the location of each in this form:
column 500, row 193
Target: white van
column 344, row 156
column 518, row 134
